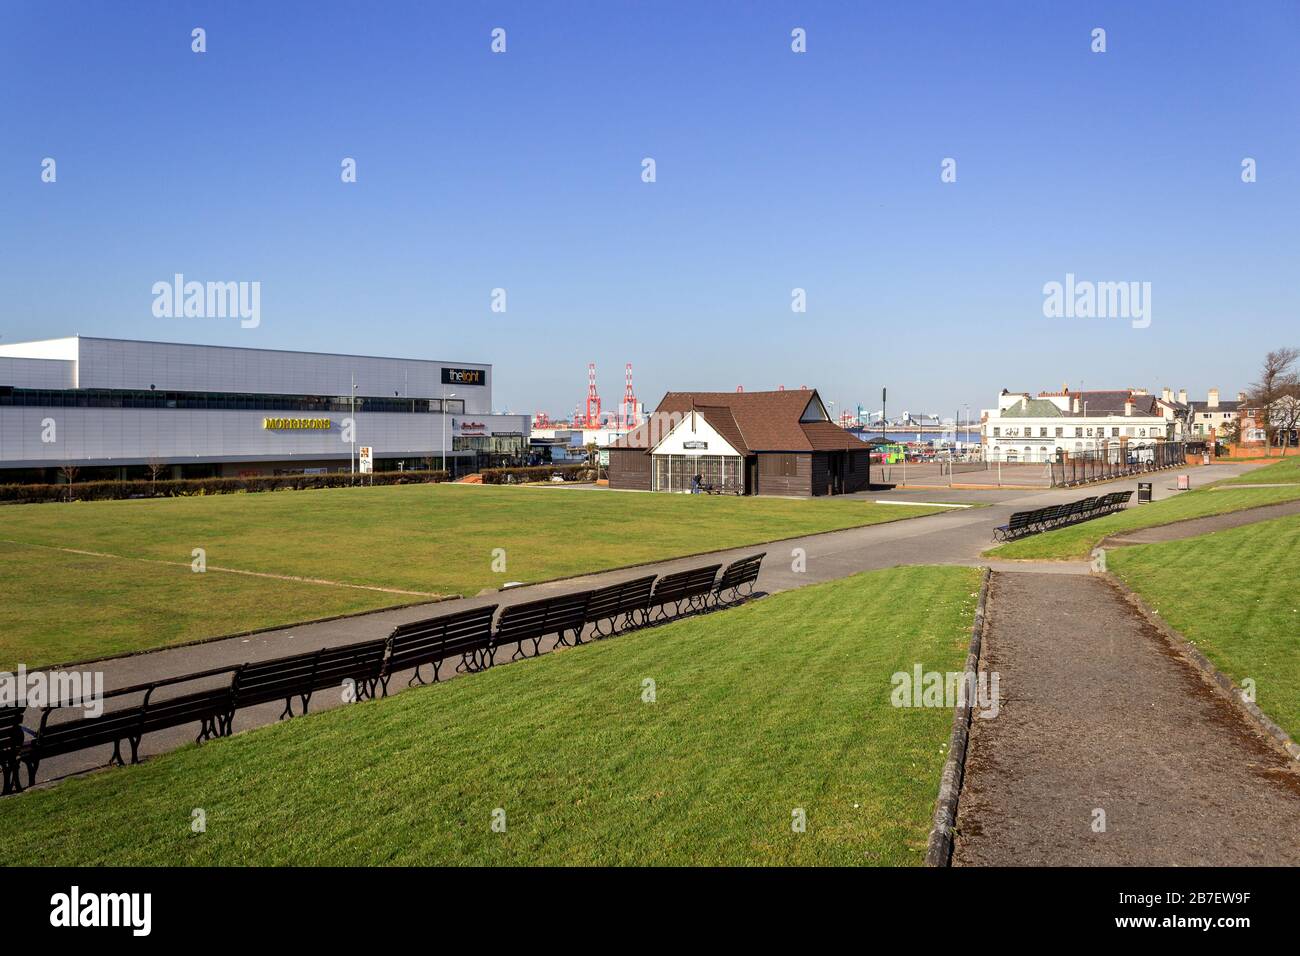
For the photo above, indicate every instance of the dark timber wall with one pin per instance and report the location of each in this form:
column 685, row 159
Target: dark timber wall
column 629, row 468
column 785, row 473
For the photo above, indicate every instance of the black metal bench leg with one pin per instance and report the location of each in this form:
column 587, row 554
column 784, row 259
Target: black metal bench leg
column 288, row 708
column 415, row 678
column 117, row 755
column 32, row 766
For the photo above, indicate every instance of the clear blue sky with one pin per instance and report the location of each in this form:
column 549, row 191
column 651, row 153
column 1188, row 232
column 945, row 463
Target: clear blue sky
column 775, row 171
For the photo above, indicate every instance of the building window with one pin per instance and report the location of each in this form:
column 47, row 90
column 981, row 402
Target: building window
column 1042, row 432
column 1078, row 433
column 1060, row 432
column 997, row 432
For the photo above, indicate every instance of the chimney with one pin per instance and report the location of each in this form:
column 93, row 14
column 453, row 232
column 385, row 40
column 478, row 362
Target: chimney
column 1076, row 404
column 1241, row 396
column 1128, row 406
column 1213, row 400
column 1167, row 394
column 1182, row 396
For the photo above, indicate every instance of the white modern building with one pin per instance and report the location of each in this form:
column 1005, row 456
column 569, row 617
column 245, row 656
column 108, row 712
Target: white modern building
column 115, row 408
column 1024, row 428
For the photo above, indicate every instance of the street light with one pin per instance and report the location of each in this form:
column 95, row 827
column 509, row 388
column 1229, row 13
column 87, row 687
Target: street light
column 352, row 450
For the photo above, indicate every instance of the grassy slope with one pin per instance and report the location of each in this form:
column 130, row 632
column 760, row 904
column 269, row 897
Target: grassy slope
column 1286, row 470
column 1077, row 541
column 433, row 538
column 1236, row 594
column 782, row 703
column 61, row 607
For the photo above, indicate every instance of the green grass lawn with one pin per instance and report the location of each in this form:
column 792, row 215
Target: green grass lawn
column 60, row 607
column 1284, row 470
column 783, row 703
column 1236, row 595
column 1077, row 541
column 429, row 538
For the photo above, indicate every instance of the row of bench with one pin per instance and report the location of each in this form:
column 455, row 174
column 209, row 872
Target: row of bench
column 1024, row 523
column 367, row 667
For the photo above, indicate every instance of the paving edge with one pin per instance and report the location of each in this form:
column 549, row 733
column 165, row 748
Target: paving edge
column 1222, row 681
column 939, row 846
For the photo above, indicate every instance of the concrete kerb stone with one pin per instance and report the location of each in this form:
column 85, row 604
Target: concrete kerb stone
column 939, row 847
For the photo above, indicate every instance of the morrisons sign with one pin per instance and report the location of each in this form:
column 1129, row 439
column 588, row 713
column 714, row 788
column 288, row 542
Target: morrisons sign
column 296, row 424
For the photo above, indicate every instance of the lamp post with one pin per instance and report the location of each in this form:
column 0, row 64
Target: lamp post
column 352, row 450
column 445, row 396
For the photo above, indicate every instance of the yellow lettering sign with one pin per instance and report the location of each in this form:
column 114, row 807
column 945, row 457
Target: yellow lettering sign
column 290, row 424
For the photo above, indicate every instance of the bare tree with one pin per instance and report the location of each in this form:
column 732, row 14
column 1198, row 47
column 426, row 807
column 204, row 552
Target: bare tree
column 1276, row 377
column 69, row 473
column 156, row 467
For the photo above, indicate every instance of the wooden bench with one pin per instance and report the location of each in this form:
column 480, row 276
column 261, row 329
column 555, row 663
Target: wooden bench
column 300, row 675
column 566, row 614
column 689, row 589
column 79, row 733
column 737, row 575
column 1017, row 526
column 629, row 600
column 211, row 707
column 533, row 620
column 466, row 634
column 11, row 742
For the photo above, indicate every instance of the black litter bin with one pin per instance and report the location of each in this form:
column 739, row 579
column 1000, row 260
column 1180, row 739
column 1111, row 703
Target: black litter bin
column 1144, row 492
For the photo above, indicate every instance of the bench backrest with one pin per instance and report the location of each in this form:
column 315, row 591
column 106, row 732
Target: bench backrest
column 567, row 612
column 11, row 730
column 521, row 622
column 436, row 638
column 160, row 714
column 260, row 681
column 684, row 584
column 357, row 662
column 738, row 573
column 1018, row 520
column 65, row 736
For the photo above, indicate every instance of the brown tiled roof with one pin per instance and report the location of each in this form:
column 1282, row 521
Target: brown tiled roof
column 827, row 436
column 752, row 421
column 724, row 423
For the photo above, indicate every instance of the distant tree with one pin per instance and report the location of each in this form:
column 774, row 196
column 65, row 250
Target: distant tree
column 156, row 467
column 1277, row 377
column 69, row 473
column 1230, row 431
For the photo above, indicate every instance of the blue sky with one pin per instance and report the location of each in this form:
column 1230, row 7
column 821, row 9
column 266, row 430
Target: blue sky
column 775, row 170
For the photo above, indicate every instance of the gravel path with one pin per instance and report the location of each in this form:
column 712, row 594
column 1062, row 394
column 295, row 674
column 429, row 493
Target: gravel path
column 1099, row 713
